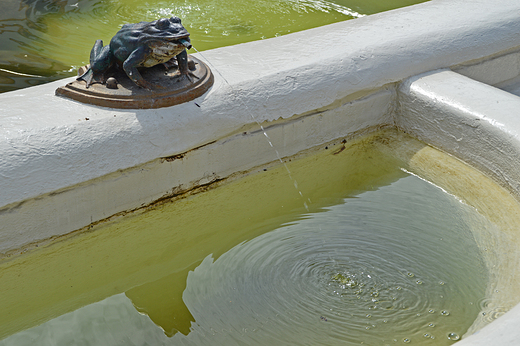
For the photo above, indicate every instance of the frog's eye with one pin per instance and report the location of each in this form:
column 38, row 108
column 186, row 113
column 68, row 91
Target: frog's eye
column 162, row 24
column 175, row 20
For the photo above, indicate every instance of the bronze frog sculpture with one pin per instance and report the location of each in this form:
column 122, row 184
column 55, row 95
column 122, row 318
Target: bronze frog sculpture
column 144, row 44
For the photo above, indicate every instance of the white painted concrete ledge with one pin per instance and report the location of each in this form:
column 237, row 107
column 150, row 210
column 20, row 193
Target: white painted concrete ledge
column 65, row 165
column 469, row 119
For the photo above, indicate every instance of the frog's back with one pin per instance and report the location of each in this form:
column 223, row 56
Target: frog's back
column 168, row 29
column 159, row 30
column 128, row 37
column 145, row 34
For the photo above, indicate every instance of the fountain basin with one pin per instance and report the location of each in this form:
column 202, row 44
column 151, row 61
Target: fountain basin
column 375, row 72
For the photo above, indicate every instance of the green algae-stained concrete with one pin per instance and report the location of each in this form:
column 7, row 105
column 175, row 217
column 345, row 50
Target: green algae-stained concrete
column 431, row 69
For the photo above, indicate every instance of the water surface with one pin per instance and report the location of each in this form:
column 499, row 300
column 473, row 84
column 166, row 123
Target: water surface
column 44, row 40
column 394, row 265
column 381, row 256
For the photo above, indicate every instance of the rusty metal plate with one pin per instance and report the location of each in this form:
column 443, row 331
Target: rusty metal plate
column 171, row 90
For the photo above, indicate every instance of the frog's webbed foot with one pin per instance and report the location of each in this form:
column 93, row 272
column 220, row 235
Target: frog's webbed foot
column 87, row 77
column 100, row 62
column 187, row 75
column 90, row 78
column 173, row 63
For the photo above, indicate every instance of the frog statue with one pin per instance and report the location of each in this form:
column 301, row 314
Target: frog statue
column 144, row 44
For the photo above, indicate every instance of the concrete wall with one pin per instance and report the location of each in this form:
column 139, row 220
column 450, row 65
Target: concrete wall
column 469, row 119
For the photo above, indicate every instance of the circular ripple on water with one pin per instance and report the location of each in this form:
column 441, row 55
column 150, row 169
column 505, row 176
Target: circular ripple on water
column 360, row 271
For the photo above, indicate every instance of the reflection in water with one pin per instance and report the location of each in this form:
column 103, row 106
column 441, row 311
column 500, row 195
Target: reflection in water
column 10, row 80
column 24, row 43
column 380, row 254
column 141, row 248
column 162, row 301
column 53, row 38
column 397, row 264
column 393, row 265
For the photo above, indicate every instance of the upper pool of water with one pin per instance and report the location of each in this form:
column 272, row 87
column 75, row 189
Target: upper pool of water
column 44, row 40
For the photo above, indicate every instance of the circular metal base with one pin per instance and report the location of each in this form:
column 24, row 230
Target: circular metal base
column 123, row 93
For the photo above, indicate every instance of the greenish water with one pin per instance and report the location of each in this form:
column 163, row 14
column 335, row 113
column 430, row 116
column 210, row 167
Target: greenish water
column 44, row 40
column 381, row 256
column 361, row 271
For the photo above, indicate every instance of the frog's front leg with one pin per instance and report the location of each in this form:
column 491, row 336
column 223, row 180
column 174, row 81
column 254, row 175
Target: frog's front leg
column 130, row 65
column 182, row 62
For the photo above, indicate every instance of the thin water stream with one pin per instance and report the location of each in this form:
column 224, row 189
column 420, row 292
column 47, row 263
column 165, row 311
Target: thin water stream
column 234, row 93
column 384, row 255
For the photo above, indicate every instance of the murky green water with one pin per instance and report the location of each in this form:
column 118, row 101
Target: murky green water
column 44, row 40
column 391, row 266
column 382, row 256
